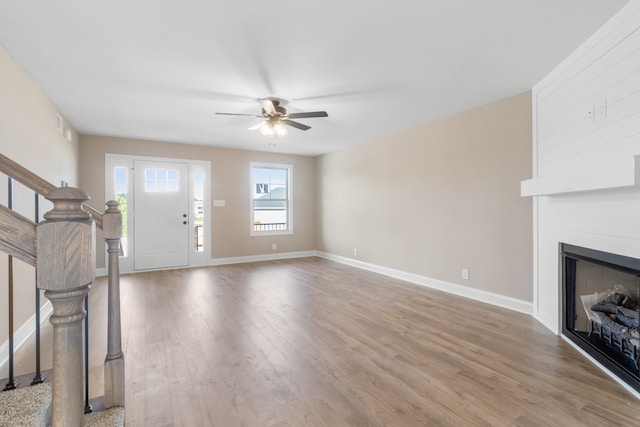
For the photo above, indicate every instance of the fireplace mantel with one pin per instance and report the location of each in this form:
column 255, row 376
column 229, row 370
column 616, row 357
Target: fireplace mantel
column 613, row 175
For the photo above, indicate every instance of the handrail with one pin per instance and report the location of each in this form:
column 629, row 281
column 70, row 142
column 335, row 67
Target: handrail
column 37, row 184
column 17, row 236
column 25, row 176
column 97, row 216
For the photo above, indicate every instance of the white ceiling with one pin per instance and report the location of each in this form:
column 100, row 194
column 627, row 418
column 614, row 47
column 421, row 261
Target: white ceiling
column 159, row 69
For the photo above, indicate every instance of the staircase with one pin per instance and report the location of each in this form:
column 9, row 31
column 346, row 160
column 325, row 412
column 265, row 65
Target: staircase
column 62, row 249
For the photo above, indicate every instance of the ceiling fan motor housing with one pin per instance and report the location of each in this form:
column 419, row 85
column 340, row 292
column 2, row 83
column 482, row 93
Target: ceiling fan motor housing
column 276, row 106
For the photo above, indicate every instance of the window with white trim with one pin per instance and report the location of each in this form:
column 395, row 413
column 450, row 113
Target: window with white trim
column 270, row 198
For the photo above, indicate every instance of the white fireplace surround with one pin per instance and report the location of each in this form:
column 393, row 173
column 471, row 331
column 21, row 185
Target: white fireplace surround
column 586, row 156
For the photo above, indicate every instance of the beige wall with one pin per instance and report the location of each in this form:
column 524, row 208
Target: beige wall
column 29, row 136
column 229, row 182
column 437, row 198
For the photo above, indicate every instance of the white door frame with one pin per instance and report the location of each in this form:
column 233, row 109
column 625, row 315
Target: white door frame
column 127, row 161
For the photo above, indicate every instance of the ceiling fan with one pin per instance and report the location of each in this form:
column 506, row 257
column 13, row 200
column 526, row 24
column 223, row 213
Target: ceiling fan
column 276, row 116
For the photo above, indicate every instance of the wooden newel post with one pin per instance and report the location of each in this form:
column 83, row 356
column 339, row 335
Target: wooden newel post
column 66, row 269
column 114, row 362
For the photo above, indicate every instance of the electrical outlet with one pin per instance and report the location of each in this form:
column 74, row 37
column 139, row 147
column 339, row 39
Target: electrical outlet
column 355, row 251
column 465, row 274
column 274, row 246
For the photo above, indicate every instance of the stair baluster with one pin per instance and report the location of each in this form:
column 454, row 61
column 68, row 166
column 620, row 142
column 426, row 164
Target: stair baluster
column 11, row 383
column 87, row 406
column 114, row 361
column 38, row 377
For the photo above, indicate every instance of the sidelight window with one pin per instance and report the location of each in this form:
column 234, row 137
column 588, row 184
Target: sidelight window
column 121, row 190
column 198, row 177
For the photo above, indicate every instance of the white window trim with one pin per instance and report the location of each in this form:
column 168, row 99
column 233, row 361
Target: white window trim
column 289, row 168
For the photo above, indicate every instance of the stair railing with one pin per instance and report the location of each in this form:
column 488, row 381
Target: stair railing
column 62, row 248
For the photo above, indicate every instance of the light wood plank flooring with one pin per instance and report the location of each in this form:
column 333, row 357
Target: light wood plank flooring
column 309, row 342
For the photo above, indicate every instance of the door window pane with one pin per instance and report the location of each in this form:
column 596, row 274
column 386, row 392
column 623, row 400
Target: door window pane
column 157, row 180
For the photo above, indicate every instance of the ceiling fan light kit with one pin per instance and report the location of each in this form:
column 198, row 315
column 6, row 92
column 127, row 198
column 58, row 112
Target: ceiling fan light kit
column 271, row 128
column 276, row 117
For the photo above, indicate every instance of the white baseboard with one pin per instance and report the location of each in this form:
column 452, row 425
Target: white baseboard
column 452, row 288
column 263, row 257
column 21, row 336
column 548, row 323
column 225, row 261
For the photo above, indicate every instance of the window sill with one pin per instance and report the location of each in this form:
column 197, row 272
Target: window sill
column 270, row 233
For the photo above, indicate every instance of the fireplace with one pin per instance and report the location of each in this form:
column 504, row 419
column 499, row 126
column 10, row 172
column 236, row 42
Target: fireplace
column 601, row 308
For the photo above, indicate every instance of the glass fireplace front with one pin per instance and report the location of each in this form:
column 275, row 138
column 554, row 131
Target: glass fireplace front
column 601, row 308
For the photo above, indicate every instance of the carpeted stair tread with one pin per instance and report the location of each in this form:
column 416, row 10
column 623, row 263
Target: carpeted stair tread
column 108, row 418
column 27, row 406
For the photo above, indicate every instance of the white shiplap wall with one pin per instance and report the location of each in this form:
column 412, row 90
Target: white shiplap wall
column 586, row 170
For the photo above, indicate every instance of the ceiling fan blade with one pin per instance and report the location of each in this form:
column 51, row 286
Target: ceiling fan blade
column 256, row 126
column 237, row 114
column 295, row 124
column 308, row 115
column 268, row 106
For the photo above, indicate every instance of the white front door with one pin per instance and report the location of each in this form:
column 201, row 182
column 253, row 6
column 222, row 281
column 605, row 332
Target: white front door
column 161, row 214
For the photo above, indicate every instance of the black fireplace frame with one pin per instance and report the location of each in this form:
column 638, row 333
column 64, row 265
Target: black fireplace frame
column 593, row 346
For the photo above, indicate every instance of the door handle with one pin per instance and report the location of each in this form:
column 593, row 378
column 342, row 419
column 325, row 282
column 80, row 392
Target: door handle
column 184, row 222
column 184, row 215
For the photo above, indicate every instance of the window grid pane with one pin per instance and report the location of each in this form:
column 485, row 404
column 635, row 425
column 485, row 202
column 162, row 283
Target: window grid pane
column 161, row 180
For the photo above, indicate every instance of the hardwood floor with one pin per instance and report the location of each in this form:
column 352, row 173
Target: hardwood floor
column 309, row 342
